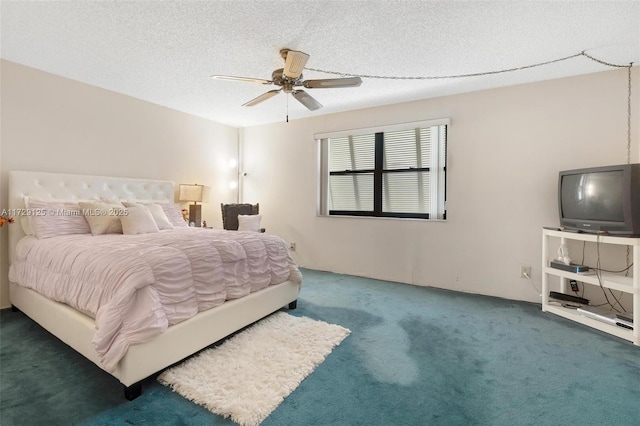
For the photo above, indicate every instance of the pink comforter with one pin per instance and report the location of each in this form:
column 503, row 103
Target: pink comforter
column 135, row 286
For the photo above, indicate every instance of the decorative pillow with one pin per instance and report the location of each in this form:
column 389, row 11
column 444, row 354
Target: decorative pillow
column 156, row 211
column 174, row 215
column 103, row 218
column 26, row 226
column 159, row 216
column 249, row 222
column 50, row 218
column 138, row 220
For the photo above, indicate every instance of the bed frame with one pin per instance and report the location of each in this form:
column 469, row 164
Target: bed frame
column 77, row 330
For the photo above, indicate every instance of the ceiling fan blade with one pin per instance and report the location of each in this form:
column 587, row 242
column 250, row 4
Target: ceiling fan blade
column 263, row 97
column 305, row 99
column 244, row 79
column 333, row 82
column 294, row 63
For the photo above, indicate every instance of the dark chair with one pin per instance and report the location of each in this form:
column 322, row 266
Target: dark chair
column 230, row 213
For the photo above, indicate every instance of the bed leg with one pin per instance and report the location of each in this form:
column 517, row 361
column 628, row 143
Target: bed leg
column 133, row 391
column 14, row 309
column 293, row 304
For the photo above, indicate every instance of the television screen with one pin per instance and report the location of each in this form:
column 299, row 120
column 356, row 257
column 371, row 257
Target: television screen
column 604, row 200
column 594, row 196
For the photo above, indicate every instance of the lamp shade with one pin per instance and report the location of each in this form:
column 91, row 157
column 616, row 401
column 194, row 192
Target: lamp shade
column 190, row 192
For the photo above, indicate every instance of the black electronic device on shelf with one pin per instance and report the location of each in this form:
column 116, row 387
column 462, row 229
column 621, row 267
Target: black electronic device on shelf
column 573, row 267
column 568, row 298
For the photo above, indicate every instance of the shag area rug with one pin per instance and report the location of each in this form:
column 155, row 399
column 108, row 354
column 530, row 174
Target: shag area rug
column 249, row 375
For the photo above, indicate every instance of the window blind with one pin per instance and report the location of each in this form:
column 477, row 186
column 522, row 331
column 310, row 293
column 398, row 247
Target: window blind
column 397, row 173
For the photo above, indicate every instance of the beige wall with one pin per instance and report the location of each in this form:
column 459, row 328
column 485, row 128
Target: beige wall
column 505, row 148
column 54, row 124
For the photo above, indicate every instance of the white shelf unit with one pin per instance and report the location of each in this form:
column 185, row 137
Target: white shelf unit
column 551, row 240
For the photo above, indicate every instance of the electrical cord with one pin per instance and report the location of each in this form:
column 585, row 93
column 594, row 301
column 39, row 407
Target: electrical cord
column 599, row 271
column 599, row 276
column 539, row 292
column 475, row 74
column 613, row 272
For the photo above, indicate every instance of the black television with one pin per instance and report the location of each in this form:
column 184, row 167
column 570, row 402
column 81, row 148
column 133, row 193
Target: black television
column 601, row 200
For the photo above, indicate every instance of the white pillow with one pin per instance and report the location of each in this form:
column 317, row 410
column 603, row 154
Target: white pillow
column 156, row 211
column 50, row 218
column 174, row 215
column 249, row 222
column 26, row 226
column 138, row 220
column 159, row 216
column 103, row 218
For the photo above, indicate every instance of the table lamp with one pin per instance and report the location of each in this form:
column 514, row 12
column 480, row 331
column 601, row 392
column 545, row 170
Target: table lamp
column 192, row 192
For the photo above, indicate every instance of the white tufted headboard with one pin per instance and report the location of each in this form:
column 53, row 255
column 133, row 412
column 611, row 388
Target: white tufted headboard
column 71, row 187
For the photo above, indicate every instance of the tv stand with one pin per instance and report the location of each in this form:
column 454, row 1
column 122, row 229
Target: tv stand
column 551, row 239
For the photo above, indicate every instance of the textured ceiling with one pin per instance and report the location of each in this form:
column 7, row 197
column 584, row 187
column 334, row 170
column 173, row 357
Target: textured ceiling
column 165, row 52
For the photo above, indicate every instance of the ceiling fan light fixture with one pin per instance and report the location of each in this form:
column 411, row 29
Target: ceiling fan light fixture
column 294, row 63
column 290, row 77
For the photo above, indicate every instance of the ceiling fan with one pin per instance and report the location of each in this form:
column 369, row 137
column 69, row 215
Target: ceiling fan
column 290, row 77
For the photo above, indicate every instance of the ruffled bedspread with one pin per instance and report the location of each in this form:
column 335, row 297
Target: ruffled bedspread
column 135, row 286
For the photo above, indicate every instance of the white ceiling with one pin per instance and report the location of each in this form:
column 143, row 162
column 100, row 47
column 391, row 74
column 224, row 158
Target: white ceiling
column 164, row 52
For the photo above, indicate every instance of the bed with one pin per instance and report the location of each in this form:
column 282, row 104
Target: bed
column 77, row 328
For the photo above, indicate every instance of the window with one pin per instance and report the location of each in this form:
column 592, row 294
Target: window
column 396, row 171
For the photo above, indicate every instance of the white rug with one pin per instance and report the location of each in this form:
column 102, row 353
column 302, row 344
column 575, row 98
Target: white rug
column 250, row 374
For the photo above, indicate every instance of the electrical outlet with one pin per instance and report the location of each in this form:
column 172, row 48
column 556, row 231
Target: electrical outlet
column 292, row 246
column 525, row 272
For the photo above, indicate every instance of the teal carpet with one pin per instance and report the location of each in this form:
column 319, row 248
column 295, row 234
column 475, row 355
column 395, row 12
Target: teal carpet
column 415, row 356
